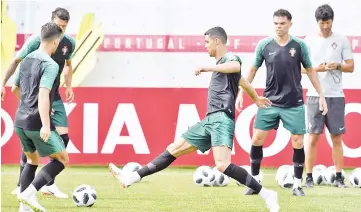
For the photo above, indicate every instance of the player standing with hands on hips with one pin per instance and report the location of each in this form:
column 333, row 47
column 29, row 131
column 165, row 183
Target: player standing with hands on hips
column 283, row 54
column 328, row 52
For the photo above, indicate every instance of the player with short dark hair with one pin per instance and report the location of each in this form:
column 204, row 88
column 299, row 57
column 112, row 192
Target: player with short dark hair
column 283, row 54
column 62, row 57
column 216, row 130
column 331, row 54
column 36, row 88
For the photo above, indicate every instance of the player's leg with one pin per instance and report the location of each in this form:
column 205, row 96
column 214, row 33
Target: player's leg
column 335, row 122
column 222, row 157
column 294, row 121
column 22, row 165
column 315, row 125
column 54, row 149
column 60, row 121
column 221, row 128
column 266, row 119
column 28, row 173
column 195, row 138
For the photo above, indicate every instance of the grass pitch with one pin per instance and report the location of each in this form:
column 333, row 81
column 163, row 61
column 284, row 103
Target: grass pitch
column 173, row 190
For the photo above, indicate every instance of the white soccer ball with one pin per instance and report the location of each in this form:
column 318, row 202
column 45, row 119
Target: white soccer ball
column 318, row 172
column 248, row 169
column 221, row 179
column 204, row 176
column 131, row 167
column 284, row 176
column 330, row 175
column 355, row 178
column 84, row 196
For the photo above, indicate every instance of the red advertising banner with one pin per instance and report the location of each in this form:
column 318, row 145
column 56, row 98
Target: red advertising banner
column 120, row 125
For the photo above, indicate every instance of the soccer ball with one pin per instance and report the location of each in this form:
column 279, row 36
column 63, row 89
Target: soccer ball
column 318, row 173
column 204, row 176
column 248, row 169
column 84, row 196
column 221, row 179
column 284, row 176
column 355, row 178
column 131, row 167
column 330, row 175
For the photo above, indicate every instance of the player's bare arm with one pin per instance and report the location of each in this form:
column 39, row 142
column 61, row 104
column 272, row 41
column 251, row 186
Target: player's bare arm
column 225, row 68
column 16, row 91
column 68, row 74
column 8, row 73
column 250, row 77
column 312, row 75
column 249, row 89
column 44, row 108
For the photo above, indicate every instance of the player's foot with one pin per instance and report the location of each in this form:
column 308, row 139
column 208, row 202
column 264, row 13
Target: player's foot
column 16, row 191
column 24, row 208
column 271, row 199
column 53, row 190
column 250, row 191
column 339, row 183
column 125, row 179
column 28, row 197
column 309, row 183
column 298, row 192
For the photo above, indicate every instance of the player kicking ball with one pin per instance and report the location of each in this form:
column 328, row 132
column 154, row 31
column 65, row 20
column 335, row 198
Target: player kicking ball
column 283, row 54
column 216, row 130
column 35, row 87
column 62, row 56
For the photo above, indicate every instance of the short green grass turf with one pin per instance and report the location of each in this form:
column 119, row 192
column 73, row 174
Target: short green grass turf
column 174, row 190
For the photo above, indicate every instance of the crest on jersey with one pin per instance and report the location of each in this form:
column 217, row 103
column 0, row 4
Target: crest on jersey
column 334, row 45
column 65, row 50
column 292, row 52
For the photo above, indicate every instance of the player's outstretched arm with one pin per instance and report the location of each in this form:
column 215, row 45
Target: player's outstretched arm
column 249, row 89
column 226, row 68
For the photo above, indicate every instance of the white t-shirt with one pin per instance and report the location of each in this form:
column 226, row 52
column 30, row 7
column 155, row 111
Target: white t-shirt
column 335, row 48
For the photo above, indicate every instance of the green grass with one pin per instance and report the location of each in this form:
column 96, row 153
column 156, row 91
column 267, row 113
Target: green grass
column 173, row 190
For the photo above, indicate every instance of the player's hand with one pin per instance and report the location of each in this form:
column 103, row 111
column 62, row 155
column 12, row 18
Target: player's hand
column 45, row 133
column 239, row 102
column 69, row 94
column 2, row 93
column 52, row 112
column 263, row 102
column 323, row 105
column 198, row 71
column 331, row 66
column 321, row 67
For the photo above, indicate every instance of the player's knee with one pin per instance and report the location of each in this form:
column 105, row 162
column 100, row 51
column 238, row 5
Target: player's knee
column 313, row 139
column 297, row 141
column 258, row 137
column 179, row 147
column 222, row 165
column 32, row 158
column 336, row 140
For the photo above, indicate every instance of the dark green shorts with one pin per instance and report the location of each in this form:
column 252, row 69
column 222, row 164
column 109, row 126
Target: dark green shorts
column 31, row 142
column 293, row 119
column 216, row 129
column 59, row 117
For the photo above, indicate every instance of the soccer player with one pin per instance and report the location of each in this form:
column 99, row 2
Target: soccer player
column 216, row 130
column 283, row 55
column 62, row 57
column 35, row 86
column 328, row 52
